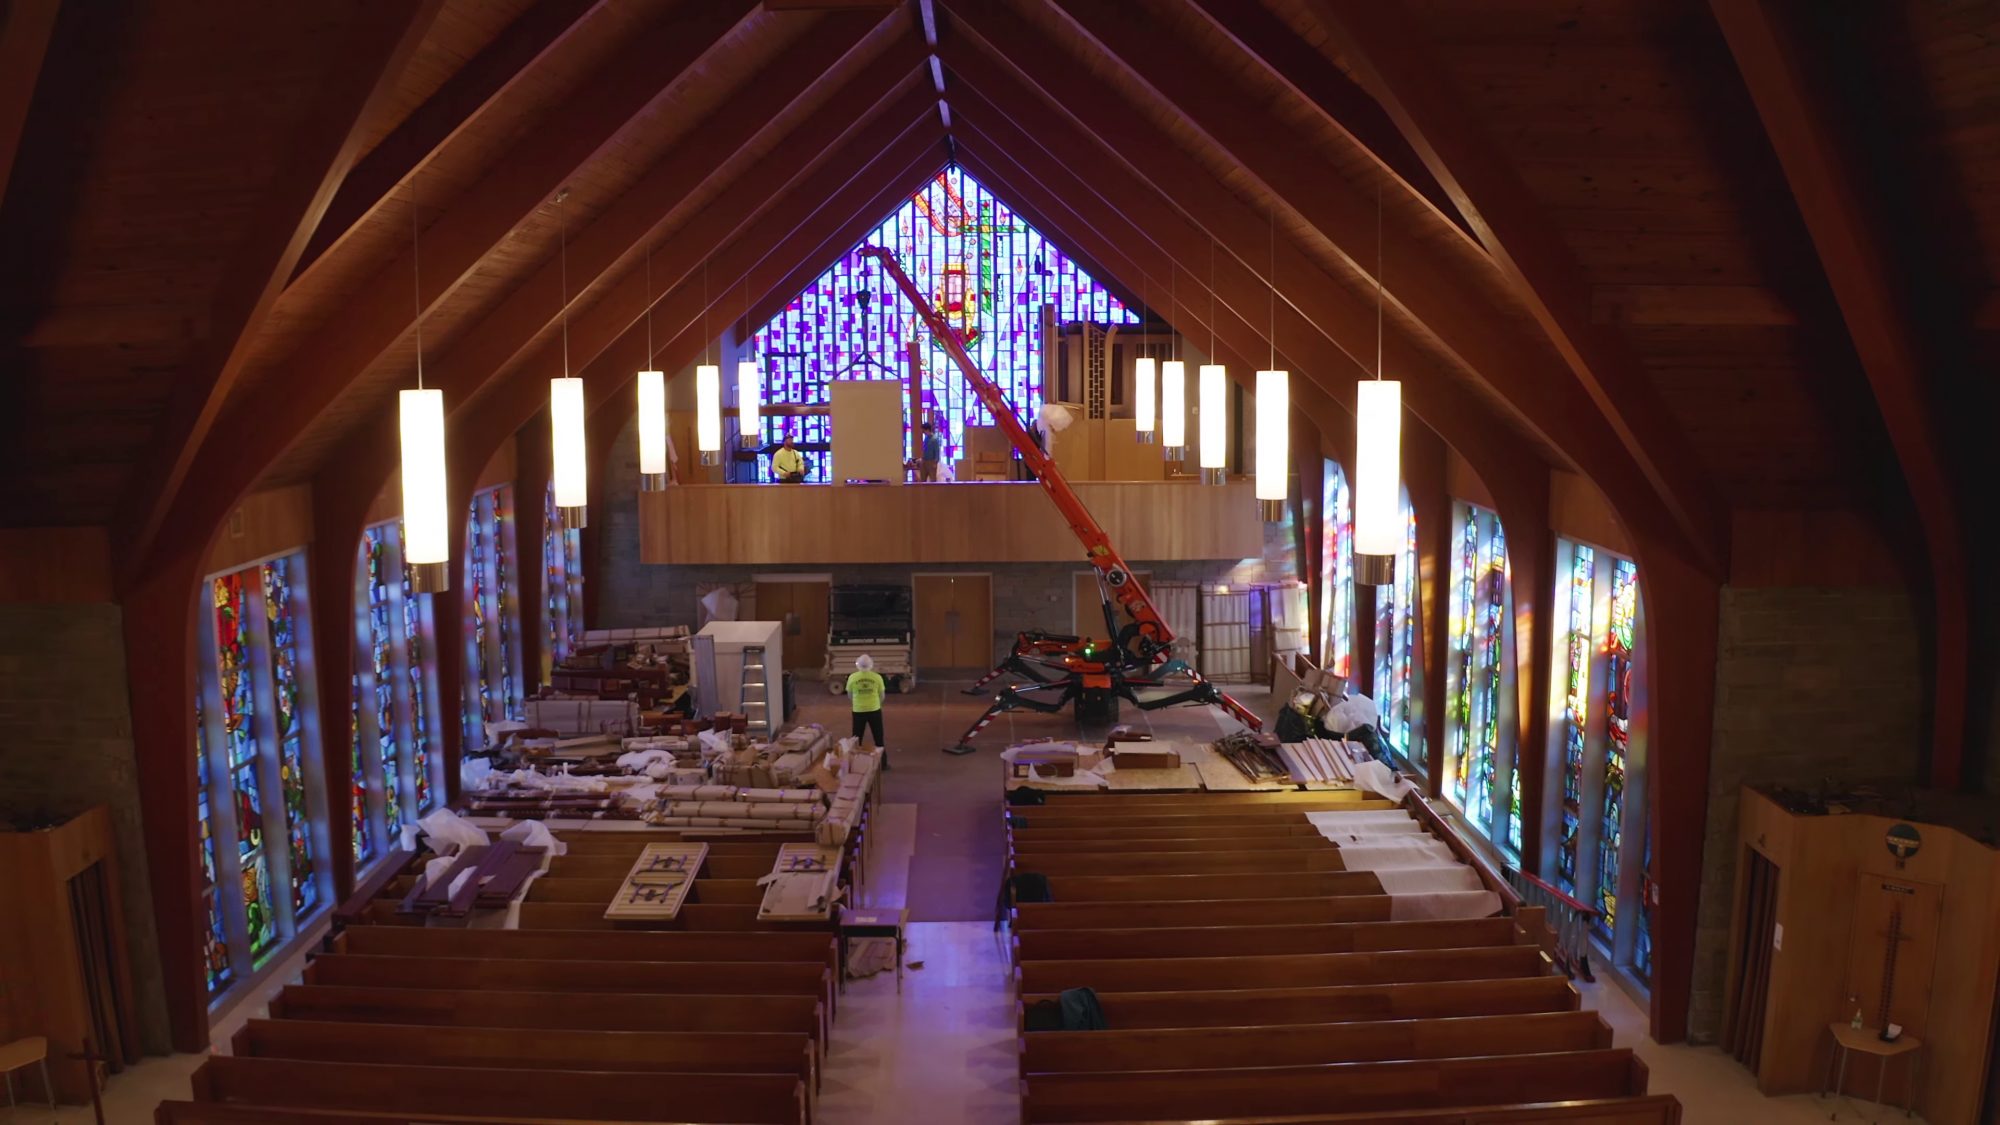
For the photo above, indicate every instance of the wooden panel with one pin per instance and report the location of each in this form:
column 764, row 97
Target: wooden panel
column 953, row 616
column 55, row 564
column 1125, row 458
column 808, row 599
column 1464, row 484
column 1577, row 509
column 268, row 523
column 940, row 523
column 868, row 430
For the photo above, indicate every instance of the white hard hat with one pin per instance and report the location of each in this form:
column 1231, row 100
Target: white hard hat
column 864, row 662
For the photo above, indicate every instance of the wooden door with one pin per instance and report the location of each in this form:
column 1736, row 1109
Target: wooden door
column 1750, row 984
column 1089, row 602
column 954, row 620
column 809, row 599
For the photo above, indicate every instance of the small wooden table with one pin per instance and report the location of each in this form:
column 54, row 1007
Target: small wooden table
column 872, row 923
column 1848, row 1039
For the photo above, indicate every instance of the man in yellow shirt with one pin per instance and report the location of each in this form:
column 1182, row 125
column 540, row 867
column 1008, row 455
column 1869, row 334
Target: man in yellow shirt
column 864, row 690
column 788, row 464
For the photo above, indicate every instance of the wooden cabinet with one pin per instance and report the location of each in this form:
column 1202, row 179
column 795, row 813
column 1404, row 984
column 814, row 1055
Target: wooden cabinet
column 64, row 972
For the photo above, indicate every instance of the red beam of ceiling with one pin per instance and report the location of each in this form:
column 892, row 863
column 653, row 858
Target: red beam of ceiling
column 1392, row 56
column 1004, row 66
column 377, row 316
column 1311, row 76
column 767, row 250
column 1805, row 137
column 24, row 43
column 510, row 327
column 372, row 55
column 468, row 93
column 851, row 117
column 1430, row 289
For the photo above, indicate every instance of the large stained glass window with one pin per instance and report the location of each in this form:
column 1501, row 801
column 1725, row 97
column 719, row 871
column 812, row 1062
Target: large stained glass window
column 1395, row 645
column 1575, row 685
column 1336, row 572
column 255, row 768
column 396, row 768
column 562, row 583
column 1478, row 749
column 1617, row 734
column 987, row 270
column 492, row 626
column 1603, row 852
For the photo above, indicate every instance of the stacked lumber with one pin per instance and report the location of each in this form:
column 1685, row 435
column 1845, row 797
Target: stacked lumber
column 710, row 1016
column 1250, row 966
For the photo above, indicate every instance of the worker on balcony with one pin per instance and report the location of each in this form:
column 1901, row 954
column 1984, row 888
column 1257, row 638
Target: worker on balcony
column 864, row 689
column 788, row 464
column 933, row 451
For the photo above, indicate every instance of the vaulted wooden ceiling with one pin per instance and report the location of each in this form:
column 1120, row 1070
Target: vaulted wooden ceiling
column 1600, row 246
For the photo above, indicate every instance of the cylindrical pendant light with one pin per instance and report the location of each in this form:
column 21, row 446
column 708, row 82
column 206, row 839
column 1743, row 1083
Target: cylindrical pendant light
column 426, row 526
column 566, row 449
column 749, row 402
column 1214, row 424
column 1379, row 534
column 708, row 413
column 652, row 430
column 1274, row 442
column 1173, row 409
column 1144, row 391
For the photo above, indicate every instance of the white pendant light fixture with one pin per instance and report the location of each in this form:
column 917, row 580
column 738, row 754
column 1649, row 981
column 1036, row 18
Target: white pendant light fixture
column 1274, row 414
column 568, row 463
column 1379, row 532
column 1173, row 392
column 652, row 407
column 749, row 384
column 1145, row 389
column 1214, row 410
column 420, row 420
column 707, row 392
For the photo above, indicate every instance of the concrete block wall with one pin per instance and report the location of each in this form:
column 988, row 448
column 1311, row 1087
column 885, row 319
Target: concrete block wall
column 1811, row 685
column 66, row 744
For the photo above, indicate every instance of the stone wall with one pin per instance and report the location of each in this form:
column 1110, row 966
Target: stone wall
column 1811, row 685
column 66, row 744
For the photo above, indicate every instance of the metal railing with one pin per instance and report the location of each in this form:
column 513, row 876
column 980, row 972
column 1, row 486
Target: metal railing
column 1568, row 918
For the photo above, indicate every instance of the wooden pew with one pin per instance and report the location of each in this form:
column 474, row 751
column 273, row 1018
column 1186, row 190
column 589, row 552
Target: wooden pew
column 725, row 892
column 1179, row 888
column 517, row 974
column 601, row 1011
column 1355, row 1087
column 1149, row 862
column 1223, row 912
column 680, row 1052
column 1118, row 807
column 694, row 917
column 1297, row 971
column 762, row 1099
column 618, row 866
column 589, row 944
column 1205, row 798
column 1065, row 817
column 1225, row 941
column 1037, row 845
column 1331, row 1003
column 1225, row 833
column 1218, row 1048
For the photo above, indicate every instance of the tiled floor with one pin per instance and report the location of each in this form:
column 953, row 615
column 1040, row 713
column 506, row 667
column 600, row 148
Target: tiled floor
column 943, row 1050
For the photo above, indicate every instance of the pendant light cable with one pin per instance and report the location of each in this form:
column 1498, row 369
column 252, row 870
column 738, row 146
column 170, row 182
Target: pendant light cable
column 417, row 277
column 706, row 343
column 1378, row 281
column 562, row 226
column 649, row 310
column 1273, row 282
column 1211, row 300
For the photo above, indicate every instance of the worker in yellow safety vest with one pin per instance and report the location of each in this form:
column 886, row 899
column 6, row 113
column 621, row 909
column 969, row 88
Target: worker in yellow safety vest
column 788, row 464
column 864, row 690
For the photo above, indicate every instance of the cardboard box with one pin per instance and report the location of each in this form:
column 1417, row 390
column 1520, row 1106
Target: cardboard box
column 1150, row 758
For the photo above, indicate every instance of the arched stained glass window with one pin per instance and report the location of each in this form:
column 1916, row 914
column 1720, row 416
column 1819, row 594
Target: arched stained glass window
column 562, row 582
column 492, row 607
column 1395, row 647
column 989, row 272
column 1480, row 750
column 396, row 778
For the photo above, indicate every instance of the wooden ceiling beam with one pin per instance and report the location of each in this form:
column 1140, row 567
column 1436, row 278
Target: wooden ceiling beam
column 1428, row 288
column 378, row 314
column 1390, row 52
column 1852, row 253
column 24, row 43
column 469, row 92
column 1265, row 37
column 371, row 56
